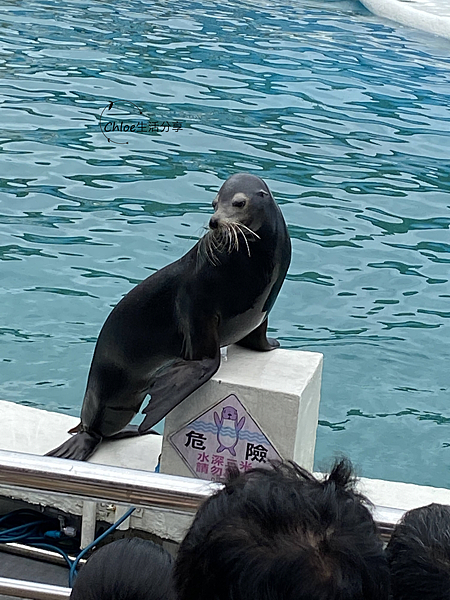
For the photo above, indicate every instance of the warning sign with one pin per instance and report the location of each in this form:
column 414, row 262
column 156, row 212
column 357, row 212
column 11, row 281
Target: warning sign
column 222, row 436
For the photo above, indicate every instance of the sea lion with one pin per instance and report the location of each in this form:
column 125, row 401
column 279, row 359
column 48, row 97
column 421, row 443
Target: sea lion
column 164, row 337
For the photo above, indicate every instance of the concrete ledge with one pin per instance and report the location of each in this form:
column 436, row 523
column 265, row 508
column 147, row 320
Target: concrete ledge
column 35, row 431
column 403, row 496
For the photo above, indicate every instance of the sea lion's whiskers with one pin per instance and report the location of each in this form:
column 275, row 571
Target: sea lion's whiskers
column 224, row 239
column 210, row 253
column 231, row 241
column 217, row 244
column 236, row 238
column 221, row 239
column 227, row 239
column 250, row 230
column 214, row 241
column 208, row 249
column 239, row 225
column 203, row 248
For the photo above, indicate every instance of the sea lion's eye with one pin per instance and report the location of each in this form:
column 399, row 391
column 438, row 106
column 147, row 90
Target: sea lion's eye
column 262, row 193
column 239, row 203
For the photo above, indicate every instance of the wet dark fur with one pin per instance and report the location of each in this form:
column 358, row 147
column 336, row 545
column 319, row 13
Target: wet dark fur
column 164, row 337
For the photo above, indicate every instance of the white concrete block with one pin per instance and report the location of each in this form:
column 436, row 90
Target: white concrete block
column 279, row 389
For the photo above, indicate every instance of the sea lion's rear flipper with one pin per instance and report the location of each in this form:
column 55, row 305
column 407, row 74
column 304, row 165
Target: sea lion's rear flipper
column 129, row 431
column 173, row 384
column 76, row 429
column 79, row 447
column 258, row 340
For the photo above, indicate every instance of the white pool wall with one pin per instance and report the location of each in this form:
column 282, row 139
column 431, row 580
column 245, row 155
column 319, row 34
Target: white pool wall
column 412, row 14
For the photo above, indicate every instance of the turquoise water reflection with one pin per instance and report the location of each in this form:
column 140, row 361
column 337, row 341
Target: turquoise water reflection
column 347, row 119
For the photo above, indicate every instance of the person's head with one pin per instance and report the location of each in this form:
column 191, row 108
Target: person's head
column 127, row 569
column 419, row 554
column 282, row 534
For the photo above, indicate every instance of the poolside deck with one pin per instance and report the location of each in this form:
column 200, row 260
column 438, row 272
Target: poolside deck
column 432, row 16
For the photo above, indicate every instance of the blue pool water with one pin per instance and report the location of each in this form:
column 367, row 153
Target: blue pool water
column 347, row 119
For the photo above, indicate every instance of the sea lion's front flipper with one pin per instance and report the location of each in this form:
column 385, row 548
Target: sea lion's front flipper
column 174, row 384
column 258, row 340
column 79, row 447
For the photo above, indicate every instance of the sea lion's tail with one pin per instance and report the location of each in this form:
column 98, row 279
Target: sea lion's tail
column 80, row 446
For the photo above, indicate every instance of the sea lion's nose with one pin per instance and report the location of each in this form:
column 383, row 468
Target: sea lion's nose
column 214, row 222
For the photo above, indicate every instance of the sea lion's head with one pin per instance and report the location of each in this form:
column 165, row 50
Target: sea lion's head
column 242, row 205
column 242, row 200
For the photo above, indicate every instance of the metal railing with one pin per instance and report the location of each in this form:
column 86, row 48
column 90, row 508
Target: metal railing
column 387, row 518
column 92, row 482
column 113, row 484
column 101, row 482
column 32, row 590
column 116, row 484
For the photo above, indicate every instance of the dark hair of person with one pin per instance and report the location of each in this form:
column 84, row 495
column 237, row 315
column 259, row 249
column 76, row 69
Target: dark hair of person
column 419, row 554
column 282, row 534
column 127, row 569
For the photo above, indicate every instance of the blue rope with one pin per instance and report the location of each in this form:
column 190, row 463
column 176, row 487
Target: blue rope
column 73, row 568
column 29, row 533
column 55, row 549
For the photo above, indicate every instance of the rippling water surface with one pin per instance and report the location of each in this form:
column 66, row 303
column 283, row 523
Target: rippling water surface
column 344, row 115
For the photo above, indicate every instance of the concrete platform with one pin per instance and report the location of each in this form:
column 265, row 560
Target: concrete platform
column 36, row 431
column 432, row 16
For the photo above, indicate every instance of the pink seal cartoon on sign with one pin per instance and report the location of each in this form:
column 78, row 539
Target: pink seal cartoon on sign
column 228, row 429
